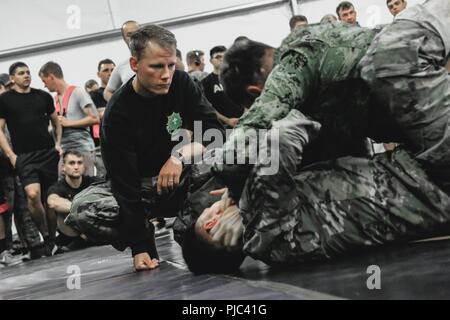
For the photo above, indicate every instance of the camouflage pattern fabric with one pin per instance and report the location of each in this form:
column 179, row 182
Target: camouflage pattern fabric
column 317, row 75
column 339, row 206
column 407, row 77
column 395, row 90
column 96, row 213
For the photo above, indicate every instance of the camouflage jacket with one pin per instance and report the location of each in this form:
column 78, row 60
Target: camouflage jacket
column 317, row 73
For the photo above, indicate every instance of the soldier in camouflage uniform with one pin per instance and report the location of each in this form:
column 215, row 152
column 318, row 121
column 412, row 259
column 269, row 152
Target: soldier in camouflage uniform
column 352, row 83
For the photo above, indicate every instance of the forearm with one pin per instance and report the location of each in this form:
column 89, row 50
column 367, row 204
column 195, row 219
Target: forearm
column 107, row 94
column 5, row 145
column 82, row 123
column 59, row 204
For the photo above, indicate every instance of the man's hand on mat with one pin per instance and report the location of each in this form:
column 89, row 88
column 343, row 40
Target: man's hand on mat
column 142, row 261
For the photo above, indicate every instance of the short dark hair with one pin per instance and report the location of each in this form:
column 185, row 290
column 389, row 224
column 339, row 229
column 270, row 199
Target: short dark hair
column 387, row 1
column 51, row 68
column 295, row 19
column 125, row 23
column 104, row 61
column 194, row 56
column 15, row 65
column 240, row 38
column 161, row 36
column 240, row 68
column 216, row 49
column 72, row 152
column 343, row 5
column 202, row 257
column 90, row 83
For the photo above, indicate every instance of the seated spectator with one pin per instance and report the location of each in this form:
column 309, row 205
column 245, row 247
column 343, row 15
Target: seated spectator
column 297, row 21
column 60, row 196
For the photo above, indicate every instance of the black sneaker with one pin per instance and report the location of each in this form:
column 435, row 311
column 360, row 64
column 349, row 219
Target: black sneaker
column 50, row 248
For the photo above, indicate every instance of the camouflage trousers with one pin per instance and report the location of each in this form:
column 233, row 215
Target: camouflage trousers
column 26, row 229
column 339, row 206
column 96, row 213
column 405, row 70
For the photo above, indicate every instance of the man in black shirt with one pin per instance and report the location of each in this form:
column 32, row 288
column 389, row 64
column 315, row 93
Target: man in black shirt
column 136, row 139
column 34, row 154
column 227, row 111
column 60, row 195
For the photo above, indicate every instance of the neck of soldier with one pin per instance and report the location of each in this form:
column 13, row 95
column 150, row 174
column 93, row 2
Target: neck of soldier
column 140, row 89
column 216, row 71
column 20, row 89
column 61, row 87
column 74, row 182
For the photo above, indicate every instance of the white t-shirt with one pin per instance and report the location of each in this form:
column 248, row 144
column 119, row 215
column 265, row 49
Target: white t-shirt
column 120, row 75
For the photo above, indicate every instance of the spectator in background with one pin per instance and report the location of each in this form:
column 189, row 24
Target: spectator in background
column 328, row 18
column 34, row 153
column 297, row 21
column 195, row 60
column 227, row 111
column 123, row 71
column 76, row 113
column 5, row 83
column 346, row 13
column 396, row 6
column 179, row 64
column 91, row 86
column 60, row 196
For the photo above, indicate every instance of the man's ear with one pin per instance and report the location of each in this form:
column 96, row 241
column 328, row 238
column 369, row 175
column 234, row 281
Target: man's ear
column 133, row 63
column 254, row 90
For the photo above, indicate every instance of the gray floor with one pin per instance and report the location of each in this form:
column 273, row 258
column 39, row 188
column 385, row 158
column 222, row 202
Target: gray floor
column 415, row 271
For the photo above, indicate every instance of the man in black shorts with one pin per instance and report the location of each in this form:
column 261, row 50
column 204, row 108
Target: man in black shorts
column 34, row 154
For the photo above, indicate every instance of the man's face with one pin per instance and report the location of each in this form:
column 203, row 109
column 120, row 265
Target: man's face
column 127, row 30
column 210, row 217
column 105, row 72
column 217, row 59
column 49, row 82
column 22, row 77
column 73, row 166
column 396, row 6
column 155, row 69
column 348, row 15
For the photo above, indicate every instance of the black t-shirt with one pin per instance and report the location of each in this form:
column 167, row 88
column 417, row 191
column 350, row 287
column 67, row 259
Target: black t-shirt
column 62, row 188
column 100, row 102
column 97, row 98
column 27, row 116
column 135, row 141
column 220, row 101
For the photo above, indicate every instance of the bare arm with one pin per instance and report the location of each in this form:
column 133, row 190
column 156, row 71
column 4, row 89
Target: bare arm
column 90, row 119
column 57, row 126
column 232, row 122
column 107, row 93
column 58, row 204
column 5, row 145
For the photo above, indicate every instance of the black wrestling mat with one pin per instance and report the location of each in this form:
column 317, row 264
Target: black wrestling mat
column 415, row 271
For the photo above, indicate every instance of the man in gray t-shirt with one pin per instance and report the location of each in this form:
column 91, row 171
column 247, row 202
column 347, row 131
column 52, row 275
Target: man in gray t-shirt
column 122, row 73
column 77, row 113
